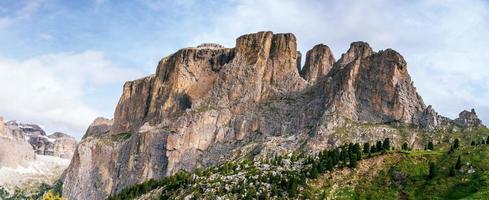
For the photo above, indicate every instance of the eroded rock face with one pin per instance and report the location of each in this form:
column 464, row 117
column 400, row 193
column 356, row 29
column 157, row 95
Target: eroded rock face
column 468, row 119
column 372, row 87
column 14, row 150
column 319, row 61
column 56, row 144
column 98, row 127
column 207, row 105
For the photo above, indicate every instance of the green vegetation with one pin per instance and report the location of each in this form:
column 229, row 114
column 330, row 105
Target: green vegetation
column 277, row 177
column 120, row 136
column 42, row 192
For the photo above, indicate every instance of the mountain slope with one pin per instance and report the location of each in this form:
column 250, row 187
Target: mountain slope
column 386, row 174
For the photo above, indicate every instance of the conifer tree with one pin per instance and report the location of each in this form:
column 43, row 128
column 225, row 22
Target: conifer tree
column 487, row 140
column 314, row 171
column 373, row 149
column 366, row 148
column 405, row 146
column 378, row 147
column 329, row 165
column 452, row 171
column 353, row 161
column 472, row 143
column 458, row 164
column 430, row 146
column 387, row 144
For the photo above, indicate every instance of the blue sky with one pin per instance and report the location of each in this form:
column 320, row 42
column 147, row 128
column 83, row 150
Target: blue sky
column 62, row 63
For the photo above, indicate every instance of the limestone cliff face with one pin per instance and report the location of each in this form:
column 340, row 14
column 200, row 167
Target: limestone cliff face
column 369, row 86
column 319, row 61
column 208, row 104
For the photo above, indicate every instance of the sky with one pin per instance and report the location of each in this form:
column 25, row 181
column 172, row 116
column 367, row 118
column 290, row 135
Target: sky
column 63, row 63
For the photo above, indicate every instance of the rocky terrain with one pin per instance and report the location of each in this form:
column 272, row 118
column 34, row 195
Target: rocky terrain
column 29, row 157
column 209, row 104
column 57, row 144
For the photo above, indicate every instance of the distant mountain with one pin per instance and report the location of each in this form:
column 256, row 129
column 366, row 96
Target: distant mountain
column 207, row 105
column 57, row 144
column 29, row 157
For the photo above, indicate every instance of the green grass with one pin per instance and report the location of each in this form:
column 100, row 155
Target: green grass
column 416, row 185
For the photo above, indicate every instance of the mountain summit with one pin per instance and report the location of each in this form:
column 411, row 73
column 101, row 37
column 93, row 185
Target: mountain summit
column 208, row 104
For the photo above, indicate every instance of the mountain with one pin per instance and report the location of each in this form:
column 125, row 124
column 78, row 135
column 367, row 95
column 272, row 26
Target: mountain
column 29, row 157
column 207, row 105
column 14, row 150
column 57, row 144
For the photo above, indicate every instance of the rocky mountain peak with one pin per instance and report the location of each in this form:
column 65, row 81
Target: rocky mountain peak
column 357, row 50
column 28, row 129
column 319, row 61
column 99, row 126
column 468, row 119
column 204, row 106
column 57, row 144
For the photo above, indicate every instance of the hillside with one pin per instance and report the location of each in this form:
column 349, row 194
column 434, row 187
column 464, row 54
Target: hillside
column 389, row 174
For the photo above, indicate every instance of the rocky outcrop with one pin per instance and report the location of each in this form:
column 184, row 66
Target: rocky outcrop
column 319, row 61
column 56, row 144
column 100, row 126
column 14, row 150
column 431, row 120
column 468, row 119
column 372, row 87
column 208, row 104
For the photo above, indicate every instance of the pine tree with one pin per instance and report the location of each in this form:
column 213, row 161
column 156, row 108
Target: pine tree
column 458, row 164
column 432, row 171
column 472, row 143
column 405, row 146
column 314, row 171
column 353, row 161
column 387, row 144
column 456, row 143
column 430, row 146
column 358, row 154
column 356, row 151
column 329, row 165
column 378, row 146
column 452, row 171
column 366, row 148
column 373, row 149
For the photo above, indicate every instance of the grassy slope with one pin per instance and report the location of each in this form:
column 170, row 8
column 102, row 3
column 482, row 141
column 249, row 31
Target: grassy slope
column 403, row 175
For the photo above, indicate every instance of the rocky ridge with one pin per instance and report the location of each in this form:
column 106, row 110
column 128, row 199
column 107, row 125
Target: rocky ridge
column 209, row 104
column 57, row 144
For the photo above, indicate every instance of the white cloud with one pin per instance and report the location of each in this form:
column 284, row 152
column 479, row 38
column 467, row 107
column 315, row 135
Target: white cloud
column 445, row 42
column 50, row 89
